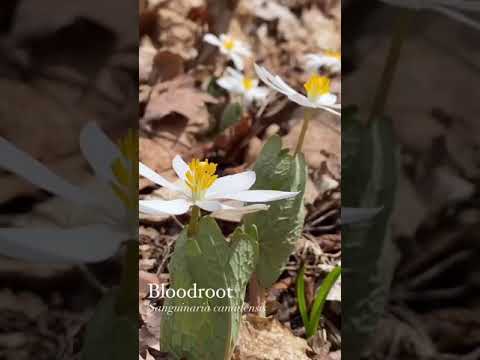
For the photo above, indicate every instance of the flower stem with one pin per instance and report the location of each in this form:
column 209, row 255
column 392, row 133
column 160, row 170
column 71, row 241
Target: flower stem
column 399, row 36
column 193, row 225
column 308, row 114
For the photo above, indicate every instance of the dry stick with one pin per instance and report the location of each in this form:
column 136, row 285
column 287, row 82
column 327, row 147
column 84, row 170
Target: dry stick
column 383, row 91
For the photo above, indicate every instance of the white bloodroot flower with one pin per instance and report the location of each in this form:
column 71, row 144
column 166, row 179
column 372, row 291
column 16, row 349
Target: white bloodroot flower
column 111, row 205
column 317, row 88
column 199, row 186
column 238, row 84
column 329, row 60
column 455, row 9
column 234, row 49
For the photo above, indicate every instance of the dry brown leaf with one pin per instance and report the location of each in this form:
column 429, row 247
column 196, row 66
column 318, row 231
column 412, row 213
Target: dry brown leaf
column 167, row 66
column 266, row 9
column 146, row 54
column 267, row 339
column 178, row 96
column 144, row 94
column 325, row 32
column 149, row 333
column 311, row 192
column 175, row 31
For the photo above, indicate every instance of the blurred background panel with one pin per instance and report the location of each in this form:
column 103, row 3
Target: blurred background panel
column 63, row 64
column 419, row 299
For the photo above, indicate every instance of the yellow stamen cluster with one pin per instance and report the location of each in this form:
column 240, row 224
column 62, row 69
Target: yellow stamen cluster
column 248, row 83
column 317, row 86
column 229, row 44
column 126, row 171
column 200, row 176
column 333, row 54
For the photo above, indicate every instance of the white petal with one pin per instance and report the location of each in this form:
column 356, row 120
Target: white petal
column 171, row 207
column 358, row 215
column 22, row 164
column 248, row 99
column 283, row 85
column 180, row 167
column 319, row 60
column 234, row 73
column 230, row 84
column 260, row 195
column 312, row 58
column 242, row 50
column 276, row 83
column 330, row 108
column 259, row 93
column 301, row 100
column 99, row 151
column 210, row 205
column 151, row 175
column 327, row 100
column 336, row 67
column 245, row 209
column 231, row 184
column 220, row 209
column 78, row 245
column 269, row 79
column 237, row 60
column 212, row 39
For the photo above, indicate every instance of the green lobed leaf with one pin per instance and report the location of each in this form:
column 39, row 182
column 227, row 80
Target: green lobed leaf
column 110, row 335
column 281, row 225
column 211, row 262
column 230, row 116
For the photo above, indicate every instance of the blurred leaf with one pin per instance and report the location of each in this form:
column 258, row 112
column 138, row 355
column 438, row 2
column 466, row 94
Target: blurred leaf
column 372, row 169
column 109, row 335
column 231, row 116
column 281, row 225
column 320, row 299
column 209, row 261
column 357, row 150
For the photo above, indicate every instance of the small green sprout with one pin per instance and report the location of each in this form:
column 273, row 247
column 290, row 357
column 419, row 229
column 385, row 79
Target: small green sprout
column 312, row 319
